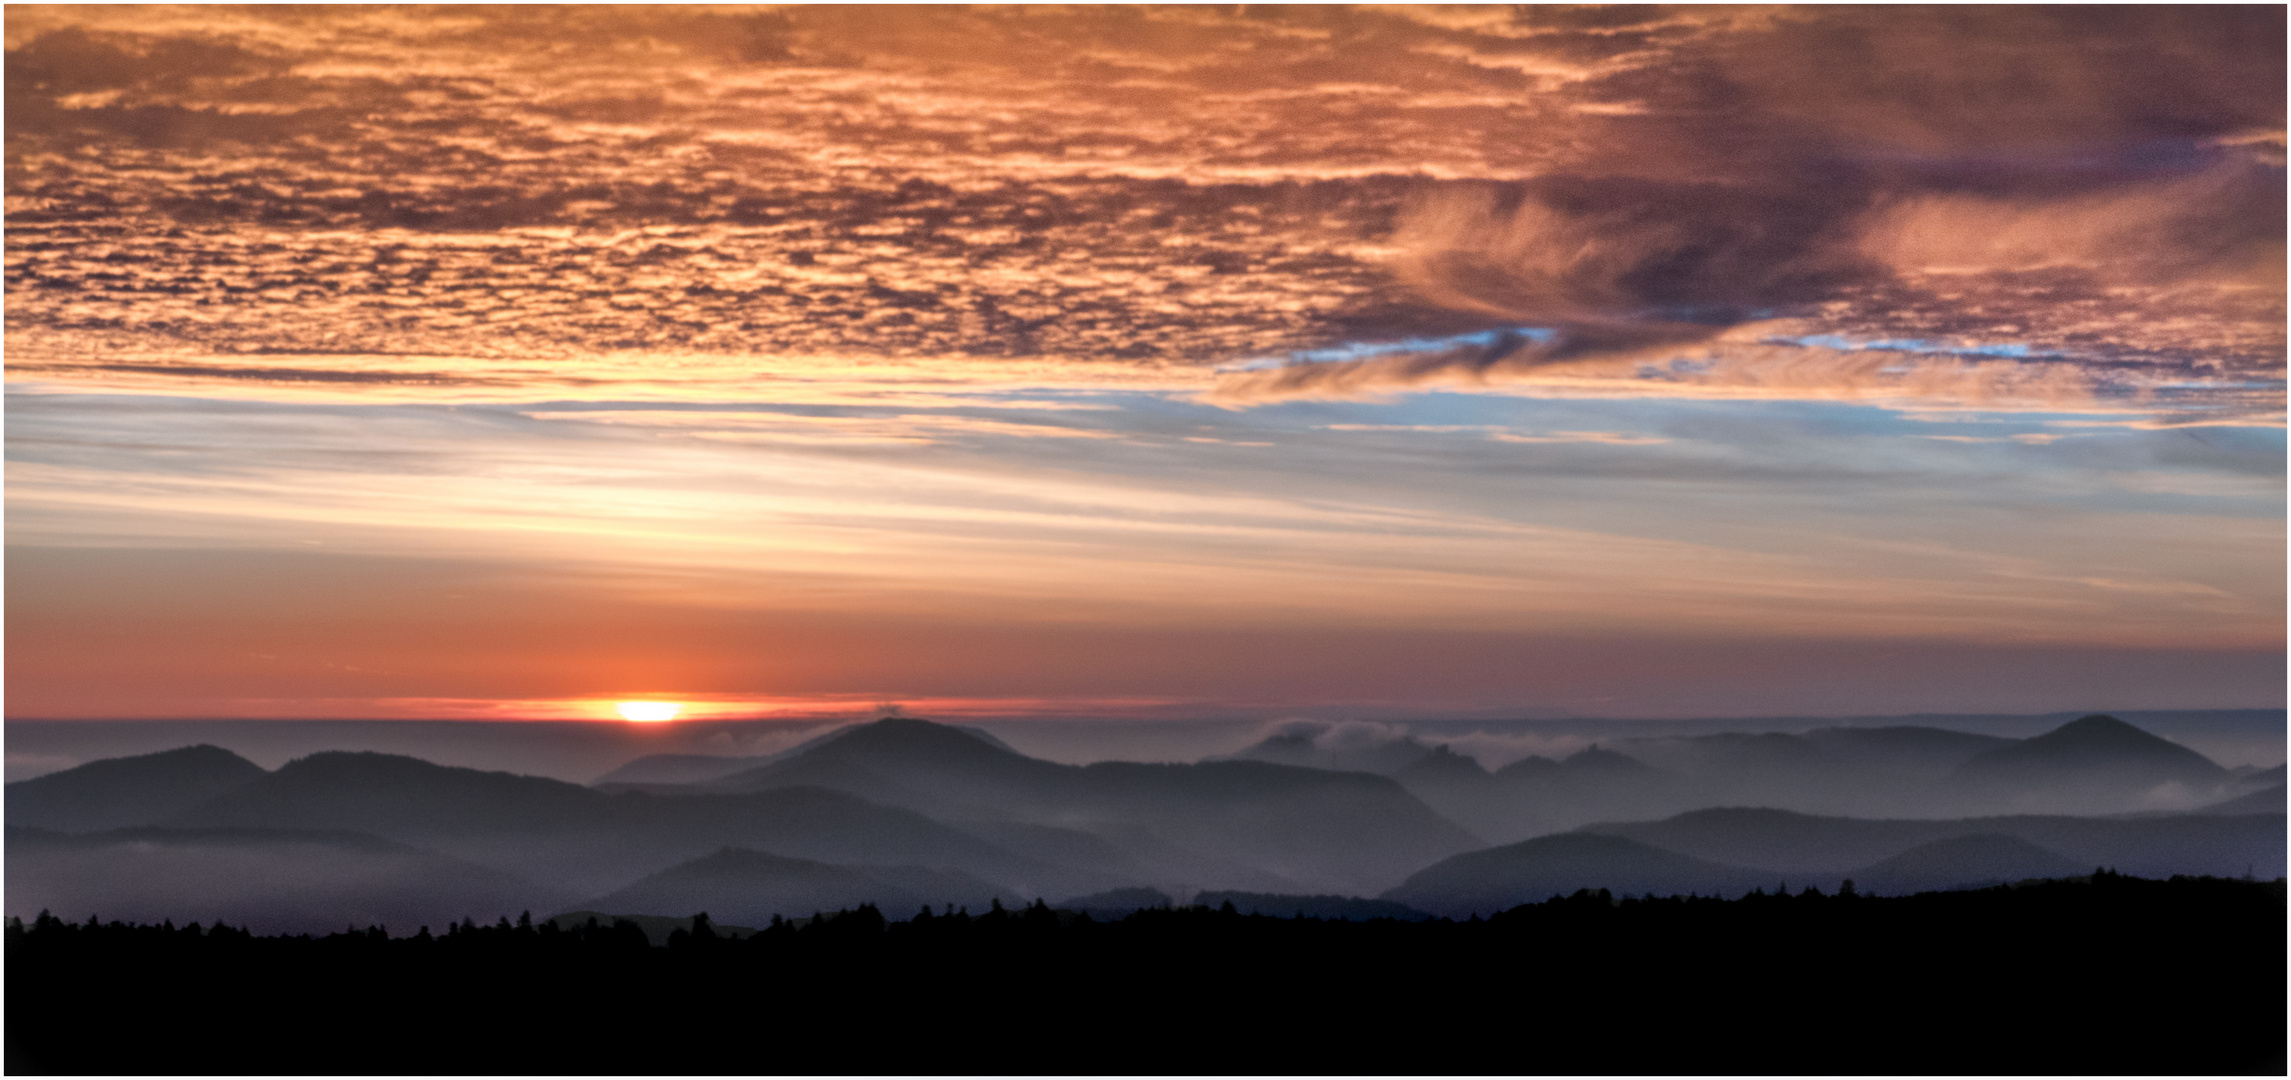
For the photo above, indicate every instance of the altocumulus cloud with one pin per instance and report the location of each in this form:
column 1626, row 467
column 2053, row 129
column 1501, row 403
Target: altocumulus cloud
column 2101, row 188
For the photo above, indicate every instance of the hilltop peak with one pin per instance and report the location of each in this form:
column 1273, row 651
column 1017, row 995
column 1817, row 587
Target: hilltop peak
column 909, row 733
column 2097, row 727
column 116, row 792
column 2088, row 758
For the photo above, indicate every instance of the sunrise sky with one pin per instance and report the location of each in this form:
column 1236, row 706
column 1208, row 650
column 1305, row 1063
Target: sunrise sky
column 1410, row 362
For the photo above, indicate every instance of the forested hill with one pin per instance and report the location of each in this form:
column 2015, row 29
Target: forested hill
column 2056, row 977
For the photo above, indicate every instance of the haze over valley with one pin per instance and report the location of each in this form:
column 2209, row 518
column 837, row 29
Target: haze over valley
column 905, row 813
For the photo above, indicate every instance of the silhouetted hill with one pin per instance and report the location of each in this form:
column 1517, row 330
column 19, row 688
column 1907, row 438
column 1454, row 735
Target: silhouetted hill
column 1826, row 848
column 1963, row 862
column 941, row 756
column 394, row 795
column 590, row 841
column 2090, row 765
column 275, row 881
column 119, row 792
column 2267, row 801
column 1286, row 906
column 1536, row 870
column 1304, row 825
column 743, row 886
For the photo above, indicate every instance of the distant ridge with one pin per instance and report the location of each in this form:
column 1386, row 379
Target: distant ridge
column 1829, row 847
column 588, row 840
column 119, row 792
column 2097, row 751
column 702, row 768
column 1305, row 826
column 1532, row 871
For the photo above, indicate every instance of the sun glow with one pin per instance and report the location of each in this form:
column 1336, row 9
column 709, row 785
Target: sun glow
column 648, row 712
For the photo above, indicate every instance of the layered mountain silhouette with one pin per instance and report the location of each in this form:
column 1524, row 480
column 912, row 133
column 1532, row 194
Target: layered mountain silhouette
column 1353, row 831
column 2096, row 765
column 1771, row 849
column 902, row 813
column 749, row 887
column 1822, row 848
column 1532, row 871
column 2093, row 765
column 269, row 880
column 589, row 841
column 119, row 792
column 677, row 769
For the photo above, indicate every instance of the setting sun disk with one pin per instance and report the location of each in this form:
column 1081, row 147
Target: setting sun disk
column 648, row 712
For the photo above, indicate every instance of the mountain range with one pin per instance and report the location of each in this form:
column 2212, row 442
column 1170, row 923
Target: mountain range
column 904, row 813
column 2094, row 765
column 1729, row 851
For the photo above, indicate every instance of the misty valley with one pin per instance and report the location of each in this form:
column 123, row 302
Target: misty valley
column 894, row 865
column 902, row 813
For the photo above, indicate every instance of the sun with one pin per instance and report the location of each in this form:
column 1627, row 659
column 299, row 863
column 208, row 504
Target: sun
column 648, row 712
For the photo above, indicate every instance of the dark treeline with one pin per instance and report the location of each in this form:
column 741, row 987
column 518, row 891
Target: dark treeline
column 2104, row 975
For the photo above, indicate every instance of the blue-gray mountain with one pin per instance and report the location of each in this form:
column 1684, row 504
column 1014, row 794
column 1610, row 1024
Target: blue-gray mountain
column 904, row 813
column 119, row 792
column 1301, row 826
column 2094, row 765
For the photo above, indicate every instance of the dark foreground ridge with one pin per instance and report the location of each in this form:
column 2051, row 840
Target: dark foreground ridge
column 2105, row 974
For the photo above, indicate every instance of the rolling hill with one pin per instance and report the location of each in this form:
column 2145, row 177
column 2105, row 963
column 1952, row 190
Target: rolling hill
column 2097, row 764
column 1352, row 831
column 119, row 792
column 590, row 841
column 1532, row 871
column 1833, row 847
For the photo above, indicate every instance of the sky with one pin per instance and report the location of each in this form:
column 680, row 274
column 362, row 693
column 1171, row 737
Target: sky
column 1403, row 362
